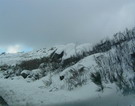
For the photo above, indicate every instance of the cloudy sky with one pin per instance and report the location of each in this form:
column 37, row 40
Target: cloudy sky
column 30, row 24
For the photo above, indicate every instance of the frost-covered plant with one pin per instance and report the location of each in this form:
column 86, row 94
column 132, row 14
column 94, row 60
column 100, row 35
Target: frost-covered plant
column 96, row 78
column 115, row 65
column 4, row 67
column 75, row 78
column 48, row 81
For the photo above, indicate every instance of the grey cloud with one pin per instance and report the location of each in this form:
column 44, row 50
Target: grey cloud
column 41, row 23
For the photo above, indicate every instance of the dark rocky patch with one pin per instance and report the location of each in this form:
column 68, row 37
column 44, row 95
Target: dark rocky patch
column 2, row 102
column 61, row 77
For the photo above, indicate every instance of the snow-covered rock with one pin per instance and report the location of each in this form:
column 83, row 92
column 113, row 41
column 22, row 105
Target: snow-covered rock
column 25, row 73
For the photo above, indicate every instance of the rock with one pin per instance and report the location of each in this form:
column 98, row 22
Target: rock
column 55, row 57
column 61, row 77
column 25, row 73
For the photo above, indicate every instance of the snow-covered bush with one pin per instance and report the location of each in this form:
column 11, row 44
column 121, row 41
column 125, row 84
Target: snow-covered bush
column 102, row 46
column 4, row 67
column 36, row 74
column 116, row 66
column 74, row 77
column 47, row 80
column 96, row 78
column 9, row 73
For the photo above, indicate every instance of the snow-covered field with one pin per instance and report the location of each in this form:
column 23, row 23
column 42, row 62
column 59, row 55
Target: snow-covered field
column 21, row 93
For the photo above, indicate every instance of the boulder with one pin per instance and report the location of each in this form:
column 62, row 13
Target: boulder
column 25, row 73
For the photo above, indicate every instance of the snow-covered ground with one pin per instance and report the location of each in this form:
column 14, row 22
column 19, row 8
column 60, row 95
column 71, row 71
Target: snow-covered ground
column 17, row 91
column 21, row 93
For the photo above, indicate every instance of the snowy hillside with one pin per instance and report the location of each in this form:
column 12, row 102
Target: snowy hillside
column 69, row 50
column 69, row 75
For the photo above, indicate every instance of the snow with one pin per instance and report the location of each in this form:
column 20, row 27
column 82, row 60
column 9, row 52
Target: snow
column 72, row 49
column 88, row 63
column 50, row 90
column 69, row 50
column 25, row 72
column 21, row 93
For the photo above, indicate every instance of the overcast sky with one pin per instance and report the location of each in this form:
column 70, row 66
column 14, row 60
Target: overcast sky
column 28, row 24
